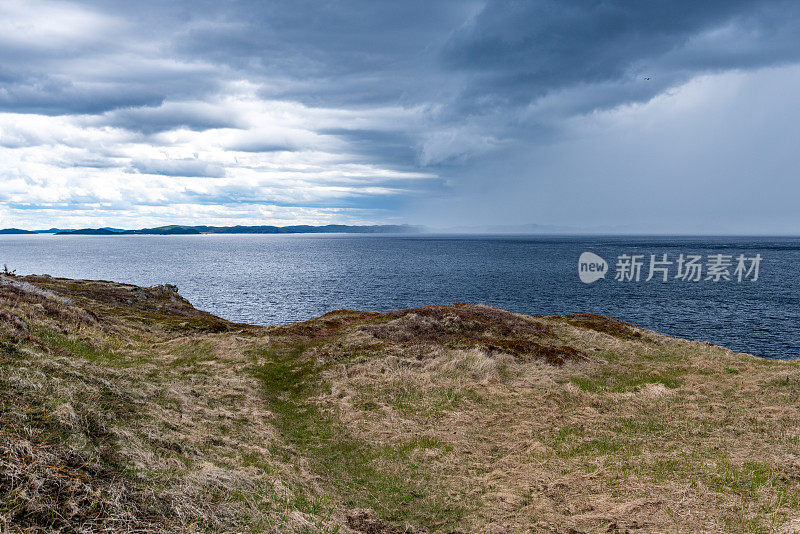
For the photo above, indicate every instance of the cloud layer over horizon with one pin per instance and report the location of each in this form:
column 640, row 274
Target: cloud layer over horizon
column 657, row 116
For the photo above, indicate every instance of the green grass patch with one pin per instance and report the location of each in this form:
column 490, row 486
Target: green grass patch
column 745, row 479
column 640, row 427
column 366, row 474
column 77, row 347
column 193, row 353
column 629, row 380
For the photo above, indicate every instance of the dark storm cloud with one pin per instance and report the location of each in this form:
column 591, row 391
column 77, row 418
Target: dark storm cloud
column 504, row 53
column 391, row 146
column 516, row 52
column 153, row 119
column 27, row 89
column 180, row 167
column 258, row 146
column 54, row 97
column 356, row 52
column 331, row 53
column 463, row 57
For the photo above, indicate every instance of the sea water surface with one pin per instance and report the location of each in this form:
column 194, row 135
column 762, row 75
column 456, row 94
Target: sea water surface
column 268, row 279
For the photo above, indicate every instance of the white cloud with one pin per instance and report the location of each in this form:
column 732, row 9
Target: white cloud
column 49, row 25
column 269, row 155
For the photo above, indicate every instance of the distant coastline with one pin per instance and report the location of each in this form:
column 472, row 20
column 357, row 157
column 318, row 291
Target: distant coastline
column 484, row 230
column 189, row 230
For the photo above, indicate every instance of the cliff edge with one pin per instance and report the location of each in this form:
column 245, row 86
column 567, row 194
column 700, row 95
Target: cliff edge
column 124, row 408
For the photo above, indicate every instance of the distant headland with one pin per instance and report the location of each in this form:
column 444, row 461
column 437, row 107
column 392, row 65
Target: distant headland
column 188, row 230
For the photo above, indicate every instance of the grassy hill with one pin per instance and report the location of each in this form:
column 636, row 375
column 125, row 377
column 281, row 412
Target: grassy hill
column 126, row 409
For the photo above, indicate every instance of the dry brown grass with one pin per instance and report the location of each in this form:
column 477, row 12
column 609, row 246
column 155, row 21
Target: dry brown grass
column 126, row 409
column 641, row 432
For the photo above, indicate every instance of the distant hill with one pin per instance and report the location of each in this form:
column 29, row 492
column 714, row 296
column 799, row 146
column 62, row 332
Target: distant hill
column 298, row 229
column 8, row 231
column 87, row 231
column 53, row 230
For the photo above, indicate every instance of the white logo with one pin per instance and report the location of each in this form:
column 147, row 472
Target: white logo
column 591, row 267
column 661, row 267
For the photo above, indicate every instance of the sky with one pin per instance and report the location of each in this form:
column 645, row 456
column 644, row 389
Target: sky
column 645, row 117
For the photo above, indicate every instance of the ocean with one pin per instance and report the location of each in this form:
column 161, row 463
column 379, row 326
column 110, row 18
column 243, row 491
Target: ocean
column 269, row 279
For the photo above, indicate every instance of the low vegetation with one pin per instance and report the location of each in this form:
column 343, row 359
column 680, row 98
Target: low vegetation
column 125, row 409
